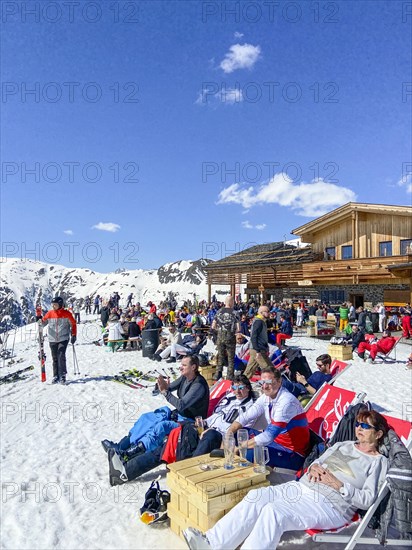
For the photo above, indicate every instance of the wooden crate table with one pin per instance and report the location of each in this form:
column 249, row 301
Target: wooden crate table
column 342, row 353
column 200, row 498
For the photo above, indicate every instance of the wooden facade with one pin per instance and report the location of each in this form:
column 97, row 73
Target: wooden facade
column 354, row 245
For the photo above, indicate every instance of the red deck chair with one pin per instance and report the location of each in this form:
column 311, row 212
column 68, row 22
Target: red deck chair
column 404, row 430
column 217, row 391
column 388, row 356
column 337, row 368
column 325, row 410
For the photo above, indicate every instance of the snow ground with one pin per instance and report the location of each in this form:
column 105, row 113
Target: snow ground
column 54, row 472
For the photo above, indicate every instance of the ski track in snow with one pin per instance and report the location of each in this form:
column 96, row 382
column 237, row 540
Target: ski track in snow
column 55, row 487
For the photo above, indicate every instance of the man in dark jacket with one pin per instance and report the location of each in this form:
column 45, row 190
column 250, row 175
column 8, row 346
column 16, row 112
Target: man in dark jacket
column 259, row 347
column 356, row 337
column 192, row 389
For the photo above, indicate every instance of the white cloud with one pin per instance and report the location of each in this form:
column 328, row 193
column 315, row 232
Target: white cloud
column 306, row 199
column 68, row 232
column 407, row 182
column 229, row 96
column 240, row 56
column 238, row 34
column 247, row 225
column 107, row 226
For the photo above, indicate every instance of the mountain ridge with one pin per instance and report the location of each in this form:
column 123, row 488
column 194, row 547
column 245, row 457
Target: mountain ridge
column 24, row 281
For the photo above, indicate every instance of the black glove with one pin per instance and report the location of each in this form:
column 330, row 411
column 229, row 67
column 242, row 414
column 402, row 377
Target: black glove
column 73, row 339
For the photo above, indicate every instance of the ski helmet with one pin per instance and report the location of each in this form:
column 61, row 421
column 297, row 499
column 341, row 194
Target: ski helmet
column 58, row 300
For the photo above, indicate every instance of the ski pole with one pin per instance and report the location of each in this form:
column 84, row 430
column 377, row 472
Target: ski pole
column 75, row 362
column 14, row 340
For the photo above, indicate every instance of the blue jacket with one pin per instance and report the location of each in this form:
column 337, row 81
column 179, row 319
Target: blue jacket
column 148, row 421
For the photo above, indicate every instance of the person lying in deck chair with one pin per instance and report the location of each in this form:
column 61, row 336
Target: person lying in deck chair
column 384, row 345
column 346, row 477
column 311, row 385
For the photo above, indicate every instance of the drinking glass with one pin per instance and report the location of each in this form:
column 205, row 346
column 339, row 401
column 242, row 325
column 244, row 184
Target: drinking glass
column 229, row 450
column 261, row 455
column 242, row 439
column 200, row 424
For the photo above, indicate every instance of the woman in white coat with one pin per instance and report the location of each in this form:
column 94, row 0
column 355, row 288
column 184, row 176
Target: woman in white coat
column 346, row 477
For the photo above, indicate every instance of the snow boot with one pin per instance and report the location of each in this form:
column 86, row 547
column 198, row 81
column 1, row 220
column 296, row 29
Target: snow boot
column 171, row 360
column 55, row 380
column 156, row 357
column 63, row 380
column 117, row 471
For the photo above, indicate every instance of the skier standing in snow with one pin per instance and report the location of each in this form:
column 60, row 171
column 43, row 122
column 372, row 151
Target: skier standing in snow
column 61, row 325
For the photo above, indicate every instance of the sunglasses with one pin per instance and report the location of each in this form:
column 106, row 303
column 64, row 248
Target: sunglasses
column 238, row 387
column 267, row 382
column 319, row 364
column 364, row 426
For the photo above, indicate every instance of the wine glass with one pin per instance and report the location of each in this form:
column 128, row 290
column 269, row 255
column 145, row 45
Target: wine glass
column 242, row 439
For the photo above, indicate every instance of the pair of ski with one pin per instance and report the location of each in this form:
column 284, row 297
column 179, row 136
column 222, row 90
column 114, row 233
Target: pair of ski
column 13, row 376
column 133, row 378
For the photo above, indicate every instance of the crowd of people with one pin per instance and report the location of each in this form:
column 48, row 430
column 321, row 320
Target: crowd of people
column 248, row 340
column 247, row 335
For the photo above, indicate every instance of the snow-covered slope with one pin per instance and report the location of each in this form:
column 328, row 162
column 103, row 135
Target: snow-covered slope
column 22, row 282
column 55, row 485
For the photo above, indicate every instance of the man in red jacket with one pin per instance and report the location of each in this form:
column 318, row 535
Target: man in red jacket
column 61, row 325
column 384, row 345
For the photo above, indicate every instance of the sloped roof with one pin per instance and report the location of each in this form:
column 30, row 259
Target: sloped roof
column 345, row 210
column 260, row 255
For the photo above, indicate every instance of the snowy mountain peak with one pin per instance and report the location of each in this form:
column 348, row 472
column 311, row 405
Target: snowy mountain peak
column 24, row 282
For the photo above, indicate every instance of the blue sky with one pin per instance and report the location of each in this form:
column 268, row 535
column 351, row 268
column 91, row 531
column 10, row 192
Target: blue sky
column 160, row 131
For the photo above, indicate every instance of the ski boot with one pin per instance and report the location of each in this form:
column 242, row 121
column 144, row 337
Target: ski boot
column 107, row 445
column 132, row 451
column 55, row 380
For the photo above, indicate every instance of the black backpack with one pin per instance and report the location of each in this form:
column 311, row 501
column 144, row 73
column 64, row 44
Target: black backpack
column 296, row 363
column 187, row 442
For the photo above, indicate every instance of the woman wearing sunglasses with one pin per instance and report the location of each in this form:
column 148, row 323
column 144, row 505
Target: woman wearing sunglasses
column 238, row 401
column 346, row 477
